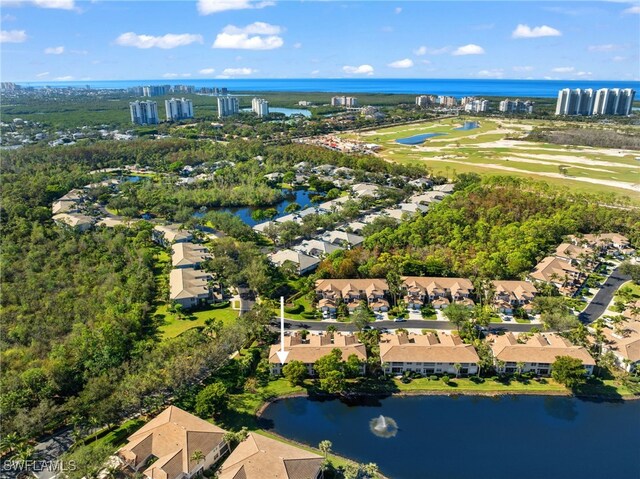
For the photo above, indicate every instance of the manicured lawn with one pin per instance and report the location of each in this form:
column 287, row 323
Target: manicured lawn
column 173, row 326
column 304, row 302
column 465, row 384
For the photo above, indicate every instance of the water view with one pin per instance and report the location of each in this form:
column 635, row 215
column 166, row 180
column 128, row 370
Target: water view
column 468, row 125
column 286, row 111
column 417, row 139
column 302, row 197
column 524, row 437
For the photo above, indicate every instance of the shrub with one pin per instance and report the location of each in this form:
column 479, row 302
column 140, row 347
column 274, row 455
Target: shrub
column 295, row 309
column 433, row 378
column 309, row 315
column 445, row 379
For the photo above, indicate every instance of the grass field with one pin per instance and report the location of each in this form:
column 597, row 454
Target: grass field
column 496, row 147
column 174, row 326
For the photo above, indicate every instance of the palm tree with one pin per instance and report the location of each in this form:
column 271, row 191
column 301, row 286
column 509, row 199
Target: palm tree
column 325, row 447
column 371, row 469
column 10, row 441
column 457, row 367
column 95, row 424
column 520, row 367
column 197, row 456
column 24, row 452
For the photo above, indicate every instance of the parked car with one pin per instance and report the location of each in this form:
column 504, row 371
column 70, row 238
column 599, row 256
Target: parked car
column 399, row 320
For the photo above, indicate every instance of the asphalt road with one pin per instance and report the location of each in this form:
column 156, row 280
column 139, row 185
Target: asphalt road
column 291, row 325
column 603, row 297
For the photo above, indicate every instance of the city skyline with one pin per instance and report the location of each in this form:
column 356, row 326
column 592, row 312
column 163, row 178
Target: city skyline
column 67, row 40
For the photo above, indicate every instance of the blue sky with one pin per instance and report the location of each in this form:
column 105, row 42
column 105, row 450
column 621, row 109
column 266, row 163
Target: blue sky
column 49, row 40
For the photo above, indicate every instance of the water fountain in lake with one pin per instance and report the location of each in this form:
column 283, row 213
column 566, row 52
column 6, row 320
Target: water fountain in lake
column 383, row 426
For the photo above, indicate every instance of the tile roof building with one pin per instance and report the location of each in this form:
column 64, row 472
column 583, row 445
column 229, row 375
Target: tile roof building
column 624, row 342
column 559, row 272
column 188, row 255
column 353, row 291
column 510, row 295
column 427, row 354
column 439, row 292
column 537, row 352
column 314, row 347
column 190, row 287
column 171, row 438
column 260, row 457
column 304, row 263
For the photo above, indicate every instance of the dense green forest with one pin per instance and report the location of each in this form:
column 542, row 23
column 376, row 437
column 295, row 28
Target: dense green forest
column 497, row 228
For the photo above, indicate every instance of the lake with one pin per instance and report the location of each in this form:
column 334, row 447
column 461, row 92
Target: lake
column 417, row 139
column 302, row 197
column 523, row 437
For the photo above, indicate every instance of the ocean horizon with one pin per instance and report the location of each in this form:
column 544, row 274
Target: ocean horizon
column 449, row 87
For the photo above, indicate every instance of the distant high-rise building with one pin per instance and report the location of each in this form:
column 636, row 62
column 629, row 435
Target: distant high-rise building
column 178, row 109
column 144, row 112
column 424, row 101
column 346, row 101
column 476, row 105
column 183, row 89
column 260, row 107
column 155, row 90
column 613, row 101
column 227, row 106
column 606, row 101
column 516, row 106
column 136, row 90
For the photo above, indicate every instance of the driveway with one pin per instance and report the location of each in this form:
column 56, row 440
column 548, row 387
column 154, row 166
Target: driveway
column 603, row 297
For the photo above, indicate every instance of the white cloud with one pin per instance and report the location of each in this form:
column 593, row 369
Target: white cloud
column 632, row 10
column 176, row 75
column 609, row 47
column 297, row 45
column 315, row 72
column 170, row 40
column 470, row 49
column 13, row 36
column 525, row 31
column 398, row 10
column 426, row 62
column 405, row 63
column 8, row 18
column 523, row 69
column 54, row 4
column 79, row 52
column 54, row 50
column 43, row 74
column 423, row 50
column 256, row 36
column 493, row 73
column 563, row 69
column 207, row 71
column 238, row 71
column 65, row 78
column 619, row 58
column 359, row 70
column 584, row 74
column 207, row 7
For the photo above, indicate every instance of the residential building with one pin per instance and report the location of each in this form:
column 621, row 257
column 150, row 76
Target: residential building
column 344, row 101
column 260, row 457
column 260, row 107
column 155, row 90
column 559, row 272
column 170, row 233
column 439, row 292
column 613, row 101
column 577, row 255
column 423, row 101
column 575, row 102
column 303, row 262
column 68, row 203
column 178, row 109
column 76, row 221
column 228, row 106
column 317, row 248
column 189, row 255
column 343, row 238
column 365, row 189
column 427, row 354
column 447, row 101
column 164, row 447
column 144, row 112
column 477, row 106
column 604, row 243
column 535, row 353
column 190, row 287
column 623, row 340
column 511, row 295
column 352, row 292
column 516, row 106
column 314, row 347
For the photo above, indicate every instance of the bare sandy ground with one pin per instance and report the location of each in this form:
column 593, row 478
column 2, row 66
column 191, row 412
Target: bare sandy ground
column 519, row 144
column 578, row 160
column 616, row 184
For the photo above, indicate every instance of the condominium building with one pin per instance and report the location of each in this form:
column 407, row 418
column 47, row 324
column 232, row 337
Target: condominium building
column 516, row 106
column 613, row 101
column 155, row 90
column 260, row 107
column 477, row 106
column 144, row 112
column 424, row 101
column 447, row 101
column 178, row 109
column 606, row 101
column 346, row 101
column 228, row 106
